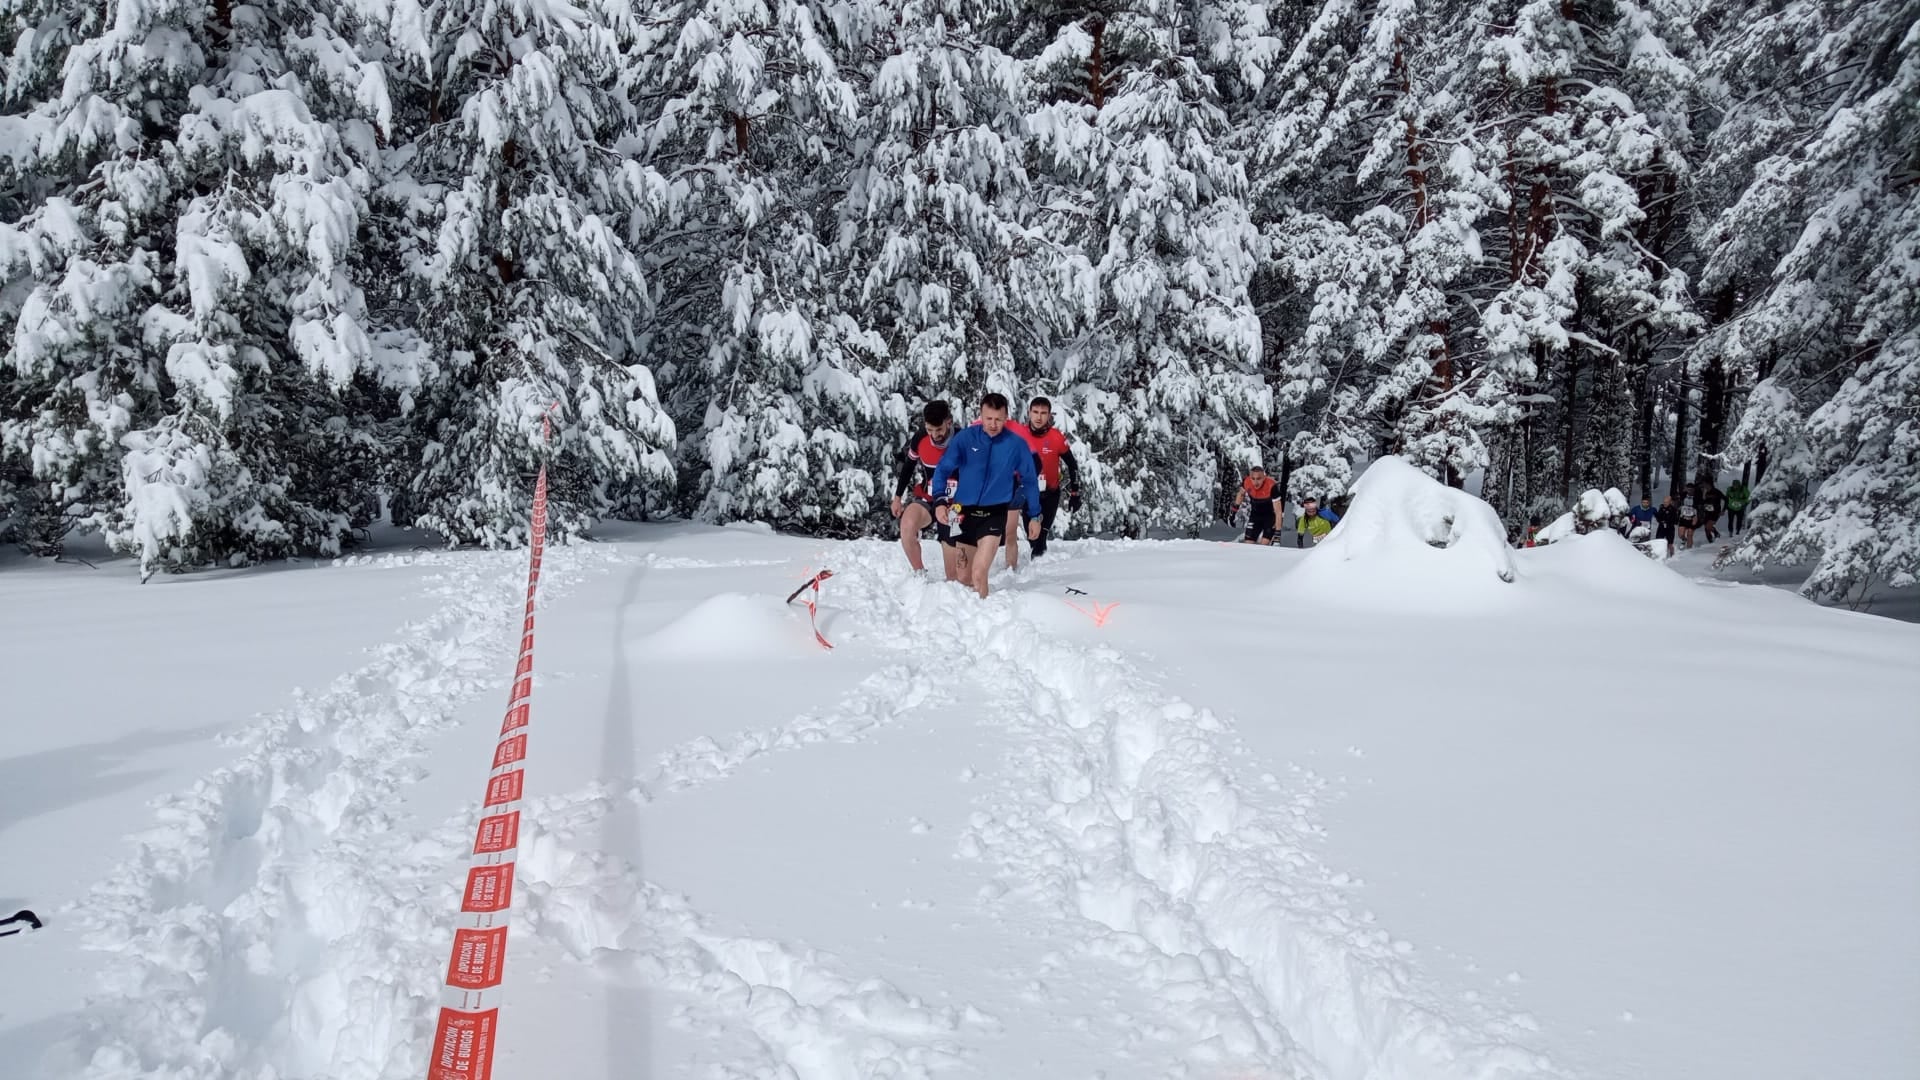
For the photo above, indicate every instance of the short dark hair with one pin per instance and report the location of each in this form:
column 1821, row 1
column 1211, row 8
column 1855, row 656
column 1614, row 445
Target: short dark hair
column 1039, row 403
column 994, row 401
column 936, row 413
column 1258, row 469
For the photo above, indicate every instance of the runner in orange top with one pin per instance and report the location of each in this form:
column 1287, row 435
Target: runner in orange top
column 1050, row 454
column 1259, row 490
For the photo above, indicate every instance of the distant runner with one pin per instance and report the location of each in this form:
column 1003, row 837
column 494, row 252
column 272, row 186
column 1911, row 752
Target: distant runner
column 1050, row 452
column 989, row 462
column 1313, row 524
column 916, row 464
column 1258, row 490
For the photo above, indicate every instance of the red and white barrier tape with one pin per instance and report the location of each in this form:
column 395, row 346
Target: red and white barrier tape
column 812, row 588
column 463, row 1040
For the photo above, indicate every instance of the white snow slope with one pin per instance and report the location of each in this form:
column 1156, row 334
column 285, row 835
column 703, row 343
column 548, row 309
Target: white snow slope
column 1599, row 821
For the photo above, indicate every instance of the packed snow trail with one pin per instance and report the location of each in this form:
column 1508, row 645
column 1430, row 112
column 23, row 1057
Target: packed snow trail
column 1122, row 811
column 977, row 839
column 279, row 925
column 275, row 922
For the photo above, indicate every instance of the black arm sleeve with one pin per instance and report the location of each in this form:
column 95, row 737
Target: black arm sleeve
column 1072, row 467
column 903, row 480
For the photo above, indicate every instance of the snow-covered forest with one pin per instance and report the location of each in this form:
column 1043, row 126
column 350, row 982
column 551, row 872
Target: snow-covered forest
column 272, row 269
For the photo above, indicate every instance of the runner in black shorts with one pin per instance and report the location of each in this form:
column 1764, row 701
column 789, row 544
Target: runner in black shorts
column 912, row 503
column 1258, row 490
column 989, row 464
column 980, row 522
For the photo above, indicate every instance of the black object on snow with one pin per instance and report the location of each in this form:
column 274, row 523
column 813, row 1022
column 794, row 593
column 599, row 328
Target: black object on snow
column 22, row 916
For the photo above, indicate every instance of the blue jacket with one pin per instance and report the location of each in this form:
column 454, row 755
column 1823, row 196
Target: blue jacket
column 987, row 469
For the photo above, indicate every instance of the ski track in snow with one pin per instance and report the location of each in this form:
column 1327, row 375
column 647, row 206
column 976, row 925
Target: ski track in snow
column 274, row 924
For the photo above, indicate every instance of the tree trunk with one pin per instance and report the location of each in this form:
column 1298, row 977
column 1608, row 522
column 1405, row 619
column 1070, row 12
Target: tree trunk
column 503, row 262
column 1713, row 417
column 1569, row 423
column 1677, row 466
column 1096, row 63
column 1713, row 404
column 740, row 133
column 1640, row 375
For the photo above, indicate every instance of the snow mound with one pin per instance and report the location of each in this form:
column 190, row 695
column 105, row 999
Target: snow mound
column 727, row 627
column 1408, row 541
column 1604, row 562
column 1596, row 510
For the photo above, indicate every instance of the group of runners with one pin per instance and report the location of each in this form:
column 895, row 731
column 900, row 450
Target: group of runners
column 975, row 486
column 1261, row 496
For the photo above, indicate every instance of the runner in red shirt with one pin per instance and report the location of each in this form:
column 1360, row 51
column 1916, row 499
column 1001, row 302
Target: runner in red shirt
column 1050, row 453
column 1259, row 490
column 912, row 503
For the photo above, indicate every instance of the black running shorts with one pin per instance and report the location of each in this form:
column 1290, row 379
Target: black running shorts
column 979, row 522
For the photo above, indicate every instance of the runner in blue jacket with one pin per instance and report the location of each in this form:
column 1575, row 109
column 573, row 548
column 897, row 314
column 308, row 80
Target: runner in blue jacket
column 986, row 460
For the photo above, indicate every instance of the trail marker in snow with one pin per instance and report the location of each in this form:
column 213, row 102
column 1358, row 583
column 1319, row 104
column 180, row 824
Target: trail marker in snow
column 463, row 1039
column 23, row 916
column 813, row 611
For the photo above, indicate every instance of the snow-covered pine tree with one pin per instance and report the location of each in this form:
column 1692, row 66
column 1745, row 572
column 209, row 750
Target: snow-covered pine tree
column 944, row 268
column 751, row 111
column 1817, row 174
column 526, row 226
column 1151, row 337
column 187, row 313
column 1369, row 196
column 1584, row 112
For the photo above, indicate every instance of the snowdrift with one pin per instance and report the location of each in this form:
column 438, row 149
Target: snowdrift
column 727, row 627
column 1604, row 562
column 1408, row 541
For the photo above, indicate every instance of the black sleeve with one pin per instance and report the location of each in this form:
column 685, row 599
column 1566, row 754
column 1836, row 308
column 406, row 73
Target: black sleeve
column 1072, row 467
column 903, row 480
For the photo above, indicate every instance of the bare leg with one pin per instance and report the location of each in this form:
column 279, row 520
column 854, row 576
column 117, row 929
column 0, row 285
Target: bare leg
column 912, row 520
column 1013, row 542
column 959, row 563
column 982, row 563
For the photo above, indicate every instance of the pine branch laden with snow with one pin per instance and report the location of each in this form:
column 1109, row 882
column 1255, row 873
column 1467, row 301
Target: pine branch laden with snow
column 1152, row 341
column 189, row 187
column 1825, row 218
column 525, row 264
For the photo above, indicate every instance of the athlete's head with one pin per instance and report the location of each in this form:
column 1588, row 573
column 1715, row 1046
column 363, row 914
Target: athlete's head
column 1310, row 505
column 937, row 420
column 993, row 414
column 1258, row 472
column 1039, row 414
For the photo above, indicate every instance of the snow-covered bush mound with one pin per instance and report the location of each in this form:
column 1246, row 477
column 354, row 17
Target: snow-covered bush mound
column 1603, row 562
column 1596, row 510
column 1564, row 527
column 1407, row 540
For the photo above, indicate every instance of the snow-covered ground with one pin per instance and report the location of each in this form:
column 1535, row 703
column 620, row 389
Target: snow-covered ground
column 1234, row 813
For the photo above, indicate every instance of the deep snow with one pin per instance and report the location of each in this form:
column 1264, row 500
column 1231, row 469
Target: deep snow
column 1263, row 817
